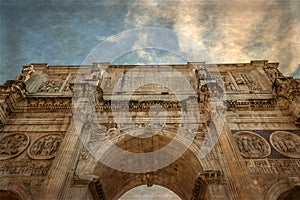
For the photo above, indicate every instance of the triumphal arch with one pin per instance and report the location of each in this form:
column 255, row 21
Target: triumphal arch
column 202, row 131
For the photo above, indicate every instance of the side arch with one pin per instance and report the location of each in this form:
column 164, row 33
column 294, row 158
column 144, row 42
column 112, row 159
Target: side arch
column 156, row 191
column 277, row 189
column 16, row 189
column 9, row 194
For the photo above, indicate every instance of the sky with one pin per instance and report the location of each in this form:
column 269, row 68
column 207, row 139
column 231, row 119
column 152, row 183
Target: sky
column 64, row 32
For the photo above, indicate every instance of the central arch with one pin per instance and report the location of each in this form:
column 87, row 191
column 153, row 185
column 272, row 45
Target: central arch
column 154, row 192
column 179, row 177
column 10, row 195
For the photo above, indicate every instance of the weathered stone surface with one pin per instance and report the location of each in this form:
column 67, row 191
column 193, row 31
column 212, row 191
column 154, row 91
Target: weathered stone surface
column 60, row 126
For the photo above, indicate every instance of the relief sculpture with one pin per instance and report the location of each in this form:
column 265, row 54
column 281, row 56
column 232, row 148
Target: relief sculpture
column 245, row 82
column 45, row 147
column 286, row 143
column 252, row 145
column 24, row 168
column 272, row 72
column 12, row 145
column 50, row 86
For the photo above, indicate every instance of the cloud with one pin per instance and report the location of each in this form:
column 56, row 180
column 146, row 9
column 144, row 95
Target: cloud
column 296, row 73
column 229, row 31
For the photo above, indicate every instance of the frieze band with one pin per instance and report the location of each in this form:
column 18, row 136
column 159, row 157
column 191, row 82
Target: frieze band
column 273, row 166
column 24, row 168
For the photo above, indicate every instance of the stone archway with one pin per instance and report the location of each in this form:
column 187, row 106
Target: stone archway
column 179, row 177
column 293, row 194
column 284, row 189
column 154, row 192
column 9, row 195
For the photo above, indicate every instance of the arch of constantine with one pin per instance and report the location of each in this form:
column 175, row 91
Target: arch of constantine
column 64, row 133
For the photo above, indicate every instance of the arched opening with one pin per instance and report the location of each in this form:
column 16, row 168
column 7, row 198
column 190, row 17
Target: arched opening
column 149, row 193
column 9, row 195
column 293, row 194
column 179, row 176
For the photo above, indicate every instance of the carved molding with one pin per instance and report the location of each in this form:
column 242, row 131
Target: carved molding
column 251, row 104
column 213, row 177
column 273, row 166
column 209, row 177
column 12, row 145
column 97, row 190
column 24, row 168
column 199, row 189
column 49, row 103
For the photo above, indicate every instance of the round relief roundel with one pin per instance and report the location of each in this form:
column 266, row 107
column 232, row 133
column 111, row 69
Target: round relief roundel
column 252, row 145
column 45, row 147
column 286, row 143
column 12, row 145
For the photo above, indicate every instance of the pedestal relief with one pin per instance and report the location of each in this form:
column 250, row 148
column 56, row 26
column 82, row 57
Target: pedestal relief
column 45, row 147
column 252, row 145
column 12, row 145
column 286, row 143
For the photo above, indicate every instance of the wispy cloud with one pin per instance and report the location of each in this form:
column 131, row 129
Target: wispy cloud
column 230, row 31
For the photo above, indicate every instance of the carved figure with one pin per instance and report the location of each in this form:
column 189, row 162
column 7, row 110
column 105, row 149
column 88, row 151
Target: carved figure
column 13, row 145
column 50, row 86
column 24, row 168
column 272, row 72
column 229, row 86
column 252, row 145
column 45, row 147
column 26, row 73
column 239, row 79
column 286, row 143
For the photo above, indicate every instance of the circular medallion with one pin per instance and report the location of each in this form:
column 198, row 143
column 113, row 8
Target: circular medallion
column 45, row 147
column 252, row 145
column 286, row 143
column 12, row 145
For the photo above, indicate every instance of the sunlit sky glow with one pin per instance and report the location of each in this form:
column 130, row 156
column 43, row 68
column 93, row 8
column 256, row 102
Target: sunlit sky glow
column 63, row 32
